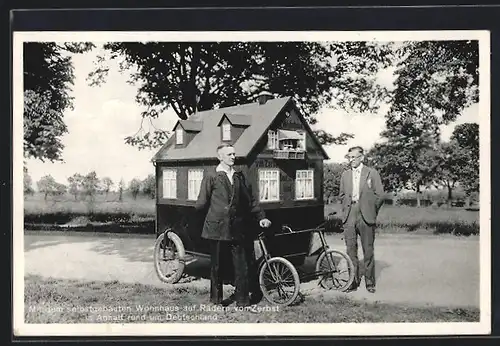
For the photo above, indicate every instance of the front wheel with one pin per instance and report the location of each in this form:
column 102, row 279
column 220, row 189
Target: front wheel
column 335, row 270
column 279, row 281
column 168, row 257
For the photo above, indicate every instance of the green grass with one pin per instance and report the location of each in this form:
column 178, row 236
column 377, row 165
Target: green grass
column 392, row 219
column 66, row 204
column 397, row 219
column 70, row 301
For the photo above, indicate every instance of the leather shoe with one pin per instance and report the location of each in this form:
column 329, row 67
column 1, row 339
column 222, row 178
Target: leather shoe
column 371, row 289
column 230, row 300
column 255, row 298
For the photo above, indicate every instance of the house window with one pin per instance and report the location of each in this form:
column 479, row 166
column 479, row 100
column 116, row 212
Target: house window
column 195, row 176
column 226, row 132
column 304, row 184
column 272, row 140
column 269, row 185
column 179, row 136
column 302, row 142
column 169, row 183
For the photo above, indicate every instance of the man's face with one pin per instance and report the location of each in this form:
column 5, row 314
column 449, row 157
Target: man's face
column 355, row 158
column 226, row 155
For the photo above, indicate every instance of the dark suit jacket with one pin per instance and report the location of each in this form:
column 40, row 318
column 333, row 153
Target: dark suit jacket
column 371, row 194
column 229, row 208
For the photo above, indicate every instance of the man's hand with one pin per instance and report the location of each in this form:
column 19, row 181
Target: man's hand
column 265, row 223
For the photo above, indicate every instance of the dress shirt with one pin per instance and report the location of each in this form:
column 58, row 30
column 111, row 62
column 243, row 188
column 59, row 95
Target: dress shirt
column 229, row 172
column 356, row 176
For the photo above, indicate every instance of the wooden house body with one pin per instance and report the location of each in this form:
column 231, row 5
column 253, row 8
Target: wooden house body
column 274, row 146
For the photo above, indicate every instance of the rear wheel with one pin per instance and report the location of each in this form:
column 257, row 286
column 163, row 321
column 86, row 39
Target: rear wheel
column 168, row 257
column 335, row 269
column 279, row 281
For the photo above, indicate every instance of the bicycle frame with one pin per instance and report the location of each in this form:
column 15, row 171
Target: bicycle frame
column 324, row 247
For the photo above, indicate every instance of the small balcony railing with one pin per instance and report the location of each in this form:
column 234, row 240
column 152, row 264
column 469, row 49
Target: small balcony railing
column 287, row 154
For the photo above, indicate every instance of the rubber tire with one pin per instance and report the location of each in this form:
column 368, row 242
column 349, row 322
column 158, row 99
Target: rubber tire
column 295, row 275
column 349, row 263
column 179, row 247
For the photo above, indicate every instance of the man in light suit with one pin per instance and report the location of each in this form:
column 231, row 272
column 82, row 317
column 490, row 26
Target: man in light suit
column 361, row 193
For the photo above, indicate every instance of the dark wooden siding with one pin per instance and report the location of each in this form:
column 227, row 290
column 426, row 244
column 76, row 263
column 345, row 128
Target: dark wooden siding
column 288, row 169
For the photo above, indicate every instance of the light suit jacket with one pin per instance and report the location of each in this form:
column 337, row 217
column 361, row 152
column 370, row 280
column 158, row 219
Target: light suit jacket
column 371, row 194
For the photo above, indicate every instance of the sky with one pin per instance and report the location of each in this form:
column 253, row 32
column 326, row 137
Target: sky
column 104, row 115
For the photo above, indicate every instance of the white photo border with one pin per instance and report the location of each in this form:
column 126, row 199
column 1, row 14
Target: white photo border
column 244, row 329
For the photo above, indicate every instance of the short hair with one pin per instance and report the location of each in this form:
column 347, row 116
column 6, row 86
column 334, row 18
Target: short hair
column 358, row 148
column 224, row 145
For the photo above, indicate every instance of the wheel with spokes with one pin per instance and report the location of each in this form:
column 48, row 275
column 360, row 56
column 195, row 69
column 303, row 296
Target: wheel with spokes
column 335, row 270
column 279, row 281
column 168, row 257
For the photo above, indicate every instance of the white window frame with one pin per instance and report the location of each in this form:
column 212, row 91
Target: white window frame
column 169, row 183
column 302, row 177
column 179, row 136
column 272, row 141
column 303, row 141
column 226, row 132
column 265, row 178
column 195, row 176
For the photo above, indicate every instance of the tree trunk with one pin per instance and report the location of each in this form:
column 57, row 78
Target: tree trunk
column 418, row 196
column 450, row 194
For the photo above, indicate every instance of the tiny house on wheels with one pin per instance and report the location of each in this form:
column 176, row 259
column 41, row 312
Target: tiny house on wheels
column 274, row 146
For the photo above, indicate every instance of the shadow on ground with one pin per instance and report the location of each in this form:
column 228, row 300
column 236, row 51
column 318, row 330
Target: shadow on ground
column 310, row 265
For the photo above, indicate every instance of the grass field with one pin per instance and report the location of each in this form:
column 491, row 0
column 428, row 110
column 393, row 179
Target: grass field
column 392, row 219
column 70, row 301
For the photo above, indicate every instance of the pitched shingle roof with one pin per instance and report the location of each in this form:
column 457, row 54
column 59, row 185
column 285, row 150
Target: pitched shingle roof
column 190, row 125
column 204, row 144
column 257, row 119
column 238, row 119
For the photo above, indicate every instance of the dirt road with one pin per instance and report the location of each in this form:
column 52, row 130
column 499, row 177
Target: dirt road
column 411, row 269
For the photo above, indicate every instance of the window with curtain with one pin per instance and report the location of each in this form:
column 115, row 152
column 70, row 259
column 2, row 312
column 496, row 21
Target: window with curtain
column 269, row 185
column 169, row 183
column 304, row 184
column 195, row 176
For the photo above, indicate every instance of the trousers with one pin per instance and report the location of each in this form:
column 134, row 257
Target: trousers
column 356, row 226
column 236, row 260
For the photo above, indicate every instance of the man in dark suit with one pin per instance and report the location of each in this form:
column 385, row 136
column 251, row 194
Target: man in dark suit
column 361, row 193
column 227, row 197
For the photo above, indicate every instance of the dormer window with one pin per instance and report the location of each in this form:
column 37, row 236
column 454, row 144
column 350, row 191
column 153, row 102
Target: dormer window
column 179, row 135
column 226, row 132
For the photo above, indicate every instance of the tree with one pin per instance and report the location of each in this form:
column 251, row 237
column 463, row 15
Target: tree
column 135, row 187
column 76, row 182
column 466, row 138
column 121, row 187
column 450, row 169
column 90, row 185
column 107, row 183
column 28, row 182
column 331, row 183
column 48, row 75
column 436, row 81
column 189, row 76
column 149, row 186
column 408, row 157
column 48, row 186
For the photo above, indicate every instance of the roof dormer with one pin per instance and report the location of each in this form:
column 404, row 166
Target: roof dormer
column 185, row 130
column 232, row 126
